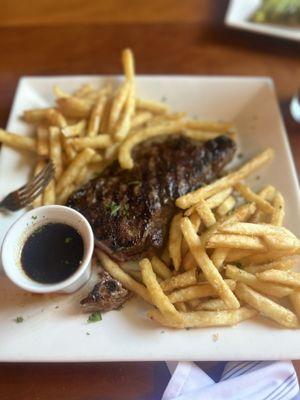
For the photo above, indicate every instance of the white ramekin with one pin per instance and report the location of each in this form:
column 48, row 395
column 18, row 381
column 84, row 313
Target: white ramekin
column 24, row 226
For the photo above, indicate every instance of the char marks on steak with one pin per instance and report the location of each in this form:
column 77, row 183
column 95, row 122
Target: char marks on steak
column 130, row 210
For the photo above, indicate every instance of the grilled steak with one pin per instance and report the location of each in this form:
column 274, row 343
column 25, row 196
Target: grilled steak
column 130, row 210
column 108, row 294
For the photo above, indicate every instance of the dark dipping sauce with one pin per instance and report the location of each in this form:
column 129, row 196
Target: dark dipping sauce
column 52, row 253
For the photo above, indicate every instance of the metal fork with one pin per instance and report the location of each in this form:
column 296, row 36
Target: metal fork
column 25, row 195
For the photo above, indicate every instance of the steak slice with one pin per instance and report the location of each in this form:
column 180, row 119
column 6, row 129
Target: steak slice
column 130, row 210
column 108, row 294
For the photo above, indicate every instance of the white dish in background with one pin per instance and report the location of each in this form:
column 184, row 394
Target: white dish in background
column 49, row 333
column 239, row 12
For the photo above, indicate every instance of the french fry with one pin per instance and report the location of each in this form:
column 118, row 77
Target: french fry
column 37, row 202
column 266, row 307
column 266, row 193
column 251, row 280
column 250, row 196
column 59, row 92
column 49, row 194
column 111, row 152
column 84, row 90
column 123, row 125
column 118, row 104
column 185, row 279
column 70, row 174
column 205, row 264
column 81, row 177
column 205, row 213
column 55, row 150
column 280, row 264
column 229, row 180
column 236, row 254
column 35, row 116
column 175, row 238
column 55, row 118
column 128, row 64
column 226, row 206
column 117, row 273
column 156, row 294
column 219, row 255
column 125, row 158
column 42, row 144
column 212, row 305
column 289, row 278
column 212, row 202
column 282, row 242
column 154, row 107
column 98, row 142
column 74, row 130
column 69, row 149
column 189, row 261
column 165, row 257
column 65, row 194
column 295, row 300
column 202, row 319
column 197, row 291
column 278, row 213
column 235, row 241
column 266, row 257
column 181, row 307
column 160, row 119
column 219, row 127
column 160, row 268
column 95, row 117
column 140, row 119
column 17, row 141
column 73, row 107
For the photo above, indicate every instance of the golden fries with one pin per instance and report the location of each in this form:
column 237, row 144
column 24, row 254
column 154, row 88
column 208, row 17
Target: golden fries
column 185, row 279
column 227, row 181
column 235, row 241
column 197, row 292
column 202, row 319
column 295, row 300
column 17, row 141
column 49, row 194
column 55, row 150
column 205, row 264
column 251, row 280
column 125, row 158
column 266, row 307
column 69, row 175
column 278, row 213
column 154, row 107
column 281, row 264
column 118, row 104
column 117, row 273
column 160, row 268
column 96, row 142
column 175, row 239
column 205, row 213
column 212, row 305
column 128, row 64
column 226, row 206
column 289, row 278
column 250, row 196
column 73, row 107
column 220, row 127
column 157, row 295
column 96, row 115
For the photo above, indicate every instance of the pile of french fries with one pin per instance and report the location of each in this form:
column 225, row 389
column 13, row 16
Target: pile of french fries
column 228, row 258
column 88, row 129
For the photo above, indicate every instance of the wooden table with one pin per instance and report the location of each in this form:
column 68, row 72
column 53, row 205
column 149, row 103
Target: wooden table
column 86, row 37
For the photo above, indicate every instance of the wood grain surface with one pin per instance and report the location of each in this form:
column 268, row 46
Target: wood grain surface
column 86, row 37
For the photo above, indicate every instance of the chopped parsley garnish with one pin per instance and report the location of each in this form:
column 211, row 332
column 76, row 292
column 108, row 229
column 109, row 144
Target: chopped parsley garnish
column 88, row 333
column 126, row 210
column 238, row 264
column 113, row 208
column 240, row 155
column 68, row 239
column 18, row 320
column 164, row 99
column 95, row 317
column 34, row 217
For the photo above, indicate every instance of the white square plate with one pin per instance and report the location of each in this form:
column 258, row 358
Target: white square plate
column 239, row 12
column 49, row 333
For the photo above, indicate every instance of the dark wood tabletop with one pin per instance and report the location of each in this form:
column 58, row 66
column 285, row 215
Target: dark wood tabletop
column 52, row 37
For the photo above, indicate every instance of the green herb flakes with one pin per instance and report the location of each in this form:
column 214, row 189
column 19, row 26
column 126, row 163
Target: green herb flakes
column 95, row 317
column 68, row 239
column 113, row 208
column 18, row 320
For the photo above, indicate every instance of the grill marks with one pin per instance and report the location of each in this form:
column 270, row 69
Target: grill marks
column 130, row 210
